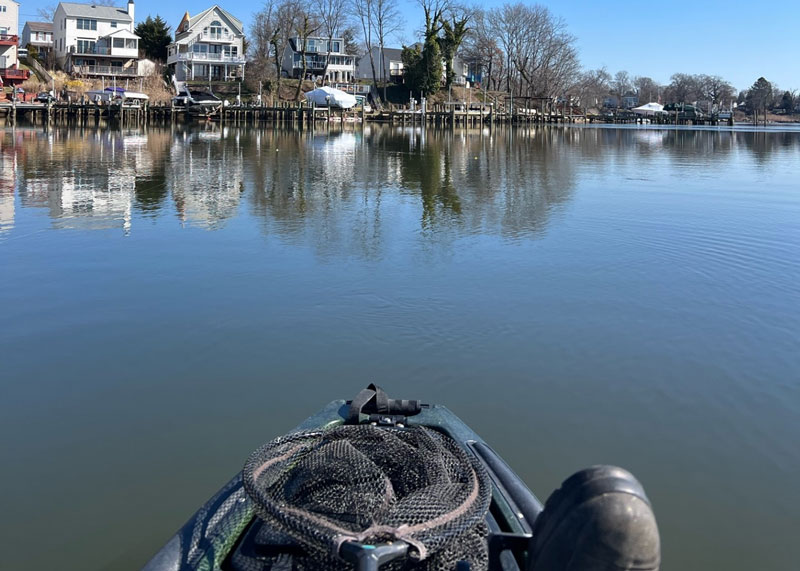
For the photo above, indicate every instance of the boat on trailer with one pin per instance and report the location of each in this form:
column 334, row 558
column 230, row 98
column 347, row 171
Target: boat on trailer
column 379, row 483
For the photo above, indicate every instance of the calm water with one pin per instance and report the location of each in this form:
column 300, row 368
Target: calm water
column 171, row 299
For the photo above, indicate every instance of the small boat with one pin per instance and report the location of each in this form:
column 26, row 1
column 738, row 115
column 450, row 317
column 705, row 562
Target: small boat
column 197, row 102
column 376, row 482
column 330, row 97
column 118, row 96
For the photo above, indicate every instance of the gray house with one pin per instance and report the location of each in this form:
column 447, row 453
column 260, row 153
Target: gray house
column 391, row 70
column 317, row 53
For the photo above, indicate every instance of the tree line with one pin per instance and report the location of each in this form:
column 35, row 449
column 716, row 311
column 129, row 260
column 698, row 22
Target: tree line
column 517, row 48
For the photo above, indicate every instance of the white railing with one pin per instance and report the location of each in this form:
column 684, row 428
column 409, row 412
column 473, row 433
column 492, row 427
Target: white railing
column 203, row 57
column 207, row 36
column 105, row 70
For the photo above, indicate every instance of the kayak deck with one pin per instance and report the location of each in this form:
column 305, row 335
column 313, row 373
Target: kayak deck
column 225, row 527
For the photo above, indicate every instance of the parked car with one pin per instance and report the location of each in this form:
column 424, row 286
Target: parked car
column 22, row 53
column 44, row 97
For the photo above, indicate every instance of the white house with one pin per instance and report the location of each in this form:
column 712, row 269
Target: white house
column 9, row 26
column 208, row 46
column 94, row 40
column 318, row 51
column 39, row 34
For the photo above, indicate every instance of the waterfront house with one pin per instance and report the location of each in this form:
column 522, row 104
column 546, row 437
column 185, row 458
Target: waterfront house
column 38, row 35
column 9, row 26
column 392, row 68
column 317, row 52
column 208, row 46
column 93, row 40
column 390, row 71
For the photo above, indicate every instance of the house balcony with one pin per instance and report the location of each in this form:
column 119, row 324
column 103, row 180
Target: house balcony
column 8, row 40
column 10, row 74
column 104, row 51
column 197, row 57
column 310, row 65
column 105, row 70
column 209, row 37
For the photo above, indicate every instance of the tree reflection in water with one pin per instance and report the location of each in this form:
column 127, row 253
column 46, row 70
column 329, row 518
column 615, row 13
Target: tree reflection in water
column 337, row 186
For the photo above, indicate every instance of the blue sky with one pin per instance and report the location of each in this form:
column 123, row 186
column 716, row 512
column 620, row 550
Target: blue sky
column 739, row 41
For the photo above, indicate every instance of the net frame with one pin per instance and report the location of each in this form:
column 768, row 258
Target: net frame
column 417, row 463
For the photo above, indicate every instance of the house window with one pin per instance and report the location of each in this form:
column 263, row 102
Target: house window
column 113, row 23
column 231, row 51
column 119, row 42
column 86, row 47
column 200, row 48
column 86, row 24
column 336, row 46
column 215, row 30
column 2, row 8
column 130, row 44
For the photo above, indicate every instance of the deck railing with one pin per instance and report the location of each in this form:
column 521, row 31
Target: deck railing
column 105, row 70
column 22, row 74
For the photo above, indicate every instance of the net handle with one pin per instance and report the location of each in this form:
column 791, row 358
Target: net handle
column 371, row 557
column 373, row 400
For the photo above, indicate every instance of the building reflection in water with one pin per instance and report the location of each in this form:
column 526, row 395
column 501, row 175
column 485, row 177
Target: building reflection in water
column 8, row 170
column 87, row 179
column 336, row 187
column 205, row 175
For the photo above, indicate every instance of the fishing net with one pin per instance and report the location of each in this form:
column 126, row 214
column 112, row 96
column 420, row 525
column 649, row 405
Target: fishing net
column 372, row 484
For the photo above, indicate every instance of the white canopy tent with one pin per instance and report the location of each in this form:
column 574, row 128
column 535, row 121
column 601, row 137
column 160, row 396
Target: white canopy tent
column 649, row 109
column 325, row 96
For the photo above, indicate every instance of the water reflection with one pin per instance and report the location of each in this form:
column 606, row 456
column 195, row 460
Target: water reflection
column 303, row 183
column 205, row 176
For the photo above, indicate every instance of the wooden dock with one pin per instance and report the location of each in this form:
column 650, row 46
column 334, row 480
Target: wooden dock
column 307, row 116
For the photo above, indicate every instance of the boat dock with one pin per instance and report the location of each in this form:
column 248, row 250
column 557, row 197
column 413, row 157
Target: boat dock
column 301, row 115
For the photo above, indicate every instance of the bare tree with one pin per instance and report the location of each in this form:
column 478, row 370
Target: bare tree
column 592, row 87
column 386, row 23
column 683, row 88
column 333, row 15
column 272, row 28
column 364, row 10
column 622, row 83
column 716, row 91
column 305, row 26
column 647, row 89
column 47, row 13
column 480, row 46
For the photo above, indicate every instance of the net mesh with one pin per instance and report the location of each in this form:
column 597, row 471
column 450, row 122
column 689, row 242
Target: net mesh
column 373, row 484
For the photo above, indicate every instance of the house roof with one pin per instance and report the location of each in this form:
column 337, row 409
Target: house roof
column 189, row 21
column 40, row 26
column 75, row 10
column 392, row 53
column 123, row 33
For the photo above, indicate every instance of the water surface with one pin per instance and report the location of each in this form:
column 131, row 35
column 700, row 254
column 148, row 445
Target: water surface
column 170, row 299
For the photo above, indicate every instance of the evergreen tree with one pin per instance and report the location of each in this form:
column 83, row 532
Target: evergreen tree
column 759, row 97
column 155, row 38
column 453, row 33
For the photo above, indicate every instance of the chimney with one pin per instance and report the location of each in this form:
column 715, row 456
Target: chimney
column 131, row 11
